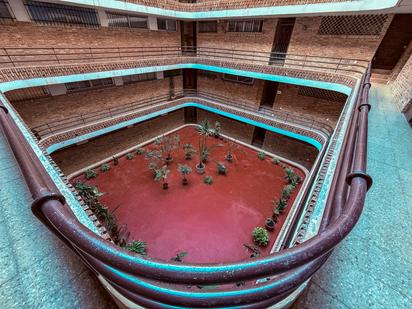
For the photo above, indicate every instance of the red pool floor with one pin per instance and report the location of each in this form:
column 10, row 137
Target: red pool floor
column 209, row 222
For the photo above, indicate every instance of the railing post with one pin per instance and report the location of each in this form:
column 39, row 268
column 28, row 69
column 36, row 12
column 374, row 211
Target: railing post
column 51, row 131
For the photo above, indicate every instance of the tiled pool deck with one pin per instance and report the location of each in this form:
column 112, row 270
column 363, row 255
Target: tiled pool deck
column 371, row 269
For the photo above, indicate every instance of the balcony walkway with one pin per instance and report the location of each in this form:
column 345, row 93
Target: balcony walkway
column 371, row 269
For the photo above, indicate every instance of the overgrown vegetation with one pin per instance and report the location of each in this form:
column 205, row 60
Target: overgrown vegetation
column 260, row 236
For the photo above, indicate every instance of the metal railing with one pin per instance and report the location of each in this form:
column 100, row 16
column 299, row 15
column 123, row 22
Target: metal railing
column 80, row 120
column 28, row 57
column 158, row 284
column 215, row 5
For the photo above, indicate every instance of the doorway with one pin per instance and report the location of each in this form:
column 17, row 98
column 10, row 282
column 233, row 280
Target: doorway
column 258, row 137
column 270, row 89
column 284, row 30
column 394, row 43
column 188, row 37
column 190, row 114
column 190, row 79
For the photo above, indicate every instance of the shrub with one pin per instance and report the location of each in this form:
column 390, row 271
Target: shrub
column 140, row 151
column 208, row 180
column 105, row 167
column 261, row 155
column 129, row 156
column 260, row 236
column 89, row 174
column 275, row 161
column 137, row 246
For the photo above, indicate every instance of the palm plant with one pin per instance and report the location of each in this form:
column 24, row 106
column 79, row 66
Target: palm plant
column 161, row 174
column 184, row 170
column 189, row 151
column 105, row 167
column 168, row 144
column 221, row 168
column 137, row 246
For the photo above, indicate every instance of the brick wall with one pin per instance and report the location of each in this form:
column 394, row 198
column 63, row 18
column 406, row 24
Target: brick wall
column 291, row 101
column 402, row 87
column 305, row 40
column 219, row 86
column 77, row 157
column 252, row 41
column 39, row 111
column 34, row 35
column 291, row 149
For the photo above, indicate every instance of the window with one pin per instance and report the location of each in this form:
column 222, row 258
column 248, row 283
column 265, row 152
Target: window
column 207, row 26
column 5, row 10
column 238, row 79
column 172, row 73
column 130, row 79
column 58, row 14
column 117, row 20
column 88, row 84
column 245, row 26
column 166, row 24
column 352, row 25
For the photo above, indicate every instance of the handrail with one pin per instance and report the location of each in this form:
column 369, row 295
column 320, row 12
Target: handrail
column 13, row 57
column 121, row 268
column 215, row 5
column 72, row 122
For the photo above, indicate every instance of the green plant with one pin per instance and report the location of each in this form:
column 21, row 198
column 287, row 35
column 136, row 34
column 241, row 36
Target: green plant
column 255, row 251
column 129, row 156
column 216, row 131
column 184, row 170
column 89, row 174
column 204, row 128
column 179, row 256
column 140, row 151
column 168, row 144
column 287, row 191
column 189, row 150
column 208, row 180
column 221, row 168
column 292, row 177
column 261, row 155
column 275, row 161
column 137, row 246
column 105, row 167
column 260, row 236
column 280, row 206
column 161, row 174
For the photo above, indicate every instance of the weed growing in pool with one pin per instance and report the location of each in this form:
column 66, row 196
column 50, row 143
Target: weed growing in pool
column 140, row 151
column 184, row 170
column 137, row 246
column 129, row 156
column 261, row 155
column 179, row 256
column 208, row 180
column 104, row 167
column 89, row 174
column 260, row 236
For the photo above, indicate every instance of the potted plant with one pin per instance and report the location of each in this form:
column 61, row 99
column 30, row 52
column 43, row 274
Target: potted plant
column 292, row 177
column 104, row 167
column 270, row 224
column 275, row 161
column 287, row 191
column 260, row 236
column 281, row 205
column 115, row 161
column 216, row 130
column 161, row 174
column 168, row 144
column 184, row 170
column 221, row 168
column 189, row 151
column 261, row 155
column 137, row 246
column 179, row 256
column 129, row 156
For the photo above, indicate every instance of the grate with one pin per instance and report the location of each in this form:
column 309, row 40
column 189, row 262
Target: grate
column 322, row 94
column 352, row 25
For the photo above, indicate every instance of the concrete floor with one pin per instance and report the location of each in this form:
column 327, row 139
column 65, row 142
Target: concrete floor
column 371, row 269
